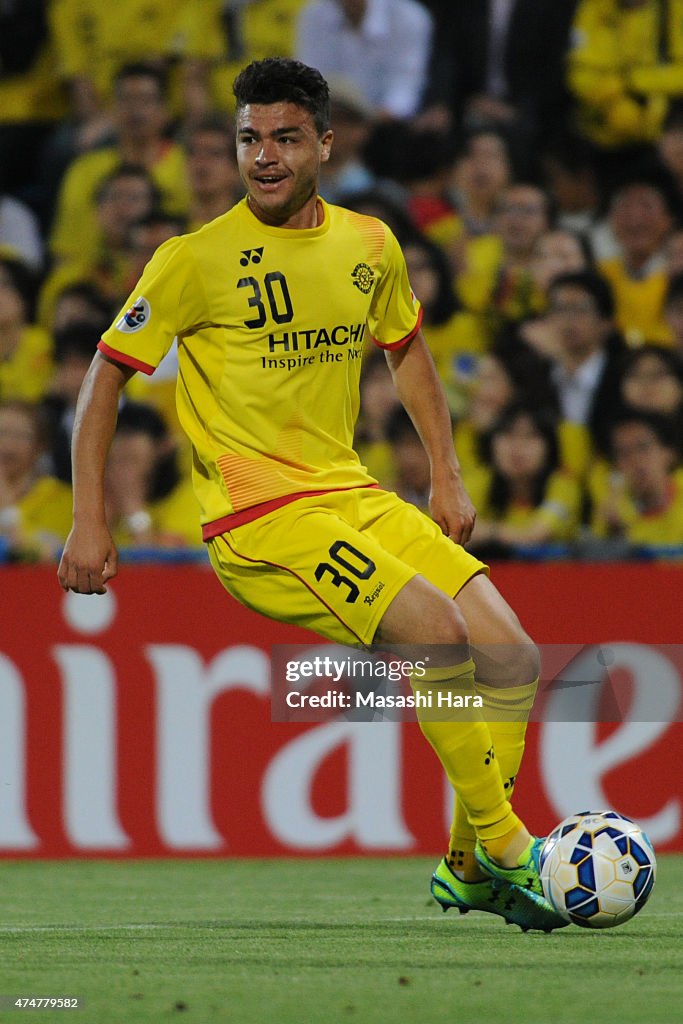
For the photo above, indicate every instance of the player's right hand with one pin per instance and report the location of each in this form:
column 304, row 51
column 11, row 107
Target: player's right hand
column 88, row 562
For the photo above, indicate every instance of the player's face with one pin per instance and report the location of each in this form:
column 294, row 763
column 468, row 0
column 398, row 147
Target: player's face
column 279, row 153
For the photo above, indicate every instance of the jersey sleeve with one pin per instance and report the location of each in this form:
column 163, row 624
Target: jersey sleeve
column 168, row 301
column 395, row 314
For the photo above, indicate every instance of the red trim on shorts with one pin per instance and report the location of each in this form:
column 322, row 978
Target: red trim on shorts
column 408, row 337
column 285, row 568
column 247, row 515
column 121, row 357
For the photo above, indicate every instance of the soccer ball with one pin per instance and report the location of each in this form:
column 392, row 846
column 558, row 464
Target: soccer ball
column 597, row 868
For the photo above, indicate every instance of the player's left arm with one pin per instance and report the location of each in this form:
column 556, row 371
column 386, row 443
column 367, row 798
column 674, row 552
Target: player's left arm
column 421, row 392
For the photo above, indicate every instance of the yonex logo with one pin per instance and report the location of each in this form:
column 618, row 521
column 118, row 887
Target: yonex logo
column 251, row 256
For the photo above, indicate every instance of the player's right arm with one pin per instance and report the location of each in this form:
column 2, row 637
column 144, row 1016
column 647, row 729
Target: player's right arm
column 89, row 559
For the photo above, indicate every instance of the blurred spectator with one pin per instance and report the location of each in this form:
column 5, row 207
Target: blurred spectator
column 525, row 499
column 214, row 180
column 378, row 400
column 568, row 172
column 497, row 280
column 506, row 374
column 95, row 40
column 556, row 252
column 450, row 332
column 80, row 303
column 641, row 219
column 141, row 117
column 383, row 45
column 31, row 101
column 25, row 349
column 652, row 381
column 498, row 64
column 122, row 198
column 412, row 479
column 642, row 497
column 482, row 173
column 346, row 173
column 586, row 370
column 424, row 165
column 75, row 347
column 625, row 63
column 673, row 310
column 35, row 509
column 148, row 503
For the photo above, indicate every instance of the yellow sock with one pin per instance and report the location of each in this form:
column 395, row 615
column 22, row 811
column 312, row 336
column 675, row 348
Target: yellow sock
column 462, row 742
column 507, row 711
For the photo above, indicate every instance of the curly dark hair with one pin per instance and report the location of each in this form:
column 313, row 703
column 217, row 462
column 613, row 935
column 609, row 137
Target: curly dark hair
column 283, row 80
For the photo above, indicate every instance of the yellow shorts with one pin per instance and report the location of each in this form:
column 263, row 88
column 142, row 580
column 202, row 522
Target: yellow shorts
column 334, row 563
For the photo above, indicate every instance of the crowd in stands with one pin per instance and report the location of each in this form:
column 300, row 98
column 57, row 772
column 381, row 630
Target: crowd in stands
column 528, row 156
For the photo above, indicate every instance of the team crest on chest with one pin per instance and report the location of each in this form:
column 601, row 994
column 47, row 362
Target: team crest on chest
column 363, row 277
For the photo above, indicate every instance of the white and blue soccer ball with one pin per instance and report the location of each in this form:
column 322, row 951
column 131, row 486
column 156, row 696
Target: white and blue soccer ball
column 597, row 868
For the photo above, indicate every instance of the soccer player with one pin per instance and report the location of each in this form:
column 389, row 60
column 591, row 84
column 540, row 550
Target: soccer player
column 271, row 303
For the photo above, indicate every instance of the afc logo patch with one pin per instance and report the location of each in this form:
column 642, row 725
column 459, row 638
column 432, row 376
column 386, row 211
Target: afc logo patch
column 136, row 316
column 363, row 277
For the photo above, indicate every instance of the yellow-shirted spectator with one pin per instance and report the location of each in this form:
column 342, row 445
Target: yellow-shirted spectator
column 147, row 500
column 641, row 499
column 126, row 196
column 450, row 331
column 504, row 375
column 625, row 63
column 525, row 499
column 94, row 40
column 496, row 282
column 481, row 175
column 35, row 510
column 556, row 252
column 641, row 219
column 213, row 178
column 25, row 349
column 141, row 116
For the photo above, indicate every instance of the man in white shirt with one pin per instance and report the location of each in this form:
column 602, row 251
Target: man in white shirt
column 587, row 369
column 383, row 45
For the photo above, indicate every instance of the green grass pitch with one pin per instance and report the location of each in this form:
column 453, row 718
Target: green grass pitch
column 316, row 942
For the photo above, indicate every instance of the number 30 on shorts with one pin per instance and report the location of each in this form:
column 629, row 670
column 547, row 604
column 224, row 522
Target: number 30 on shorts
column 355, row 563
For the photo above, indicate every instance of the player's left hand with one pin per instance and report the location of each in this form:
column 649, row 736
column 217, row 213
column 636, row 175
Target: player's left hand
column 451, row 507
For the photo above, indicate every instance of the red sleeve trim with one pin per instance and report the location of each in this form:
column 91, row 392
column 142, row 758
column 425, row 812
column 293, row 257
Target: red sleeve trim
column 121, row 357
column 408, row 337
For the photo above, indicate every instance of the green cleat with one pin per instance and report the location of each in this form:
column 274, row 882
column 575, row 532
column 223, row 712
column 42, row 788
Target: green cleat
column 492, row 896
column 525, row 880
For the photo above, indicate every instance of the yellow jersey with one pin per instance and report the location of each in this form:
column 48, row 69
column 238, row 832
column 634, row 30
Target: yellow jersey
column 76, row 234
column 26, row 373
column 639, row 303
column 559, row 510
column 45, row 514
column 270, row 325
column 96, row 39
column 663, row 527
